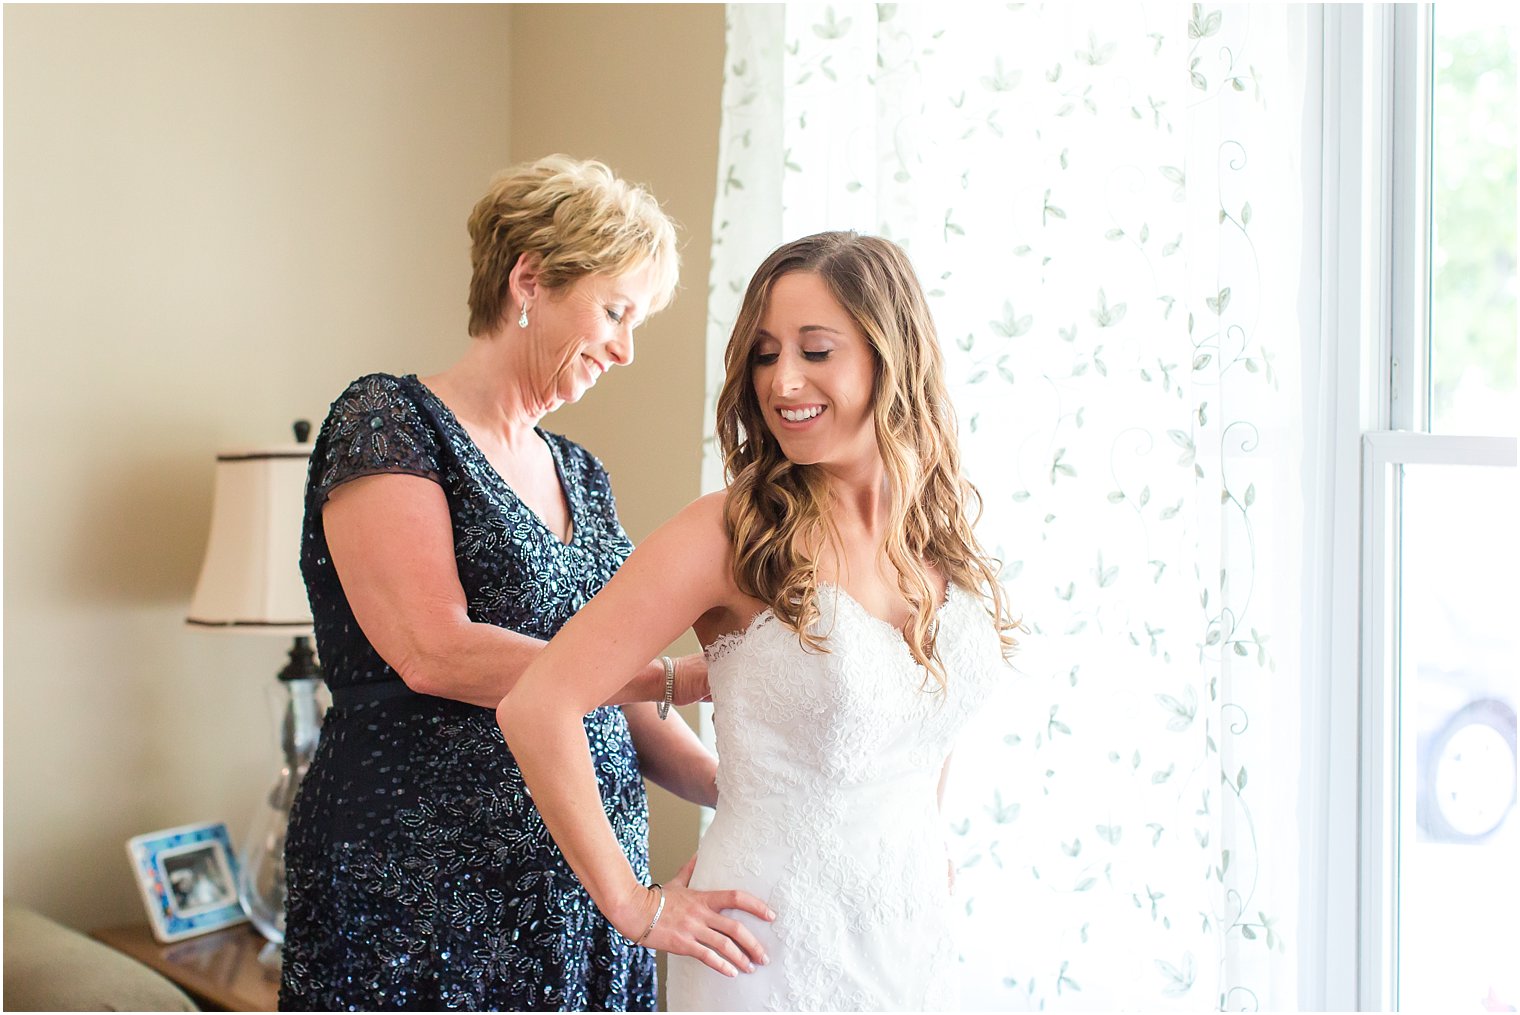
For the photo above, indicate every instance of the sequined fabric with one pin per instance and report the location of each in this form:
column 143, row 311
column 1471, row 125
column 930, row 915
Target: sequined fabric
column 420, row 875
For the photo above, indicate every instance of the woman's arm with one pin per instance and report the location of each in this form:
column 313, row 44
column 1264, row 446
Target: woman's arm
column 672, row 756
column 392, row 543
column 680, row 573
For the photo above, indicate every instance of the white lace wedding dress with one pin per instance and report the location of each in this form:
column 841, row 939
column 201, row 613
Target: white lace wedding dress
column 827, row 808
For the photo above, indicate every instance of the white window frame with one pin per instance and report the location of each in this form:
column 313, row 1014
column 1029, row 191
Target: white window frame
column 1375, row 177
column 1383, row 764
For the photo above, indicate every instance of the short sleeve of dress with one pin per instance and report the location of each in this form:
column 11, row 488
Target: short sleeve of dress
column 601, row 497
column 374, row 427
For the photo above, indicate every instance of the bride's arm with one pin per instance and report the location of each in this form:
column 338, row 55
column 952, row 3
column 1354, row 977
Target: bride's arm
column 677, row 574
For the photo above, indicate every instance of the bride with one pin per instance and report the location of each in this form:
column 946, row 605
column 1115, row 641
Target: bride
column 852, row 623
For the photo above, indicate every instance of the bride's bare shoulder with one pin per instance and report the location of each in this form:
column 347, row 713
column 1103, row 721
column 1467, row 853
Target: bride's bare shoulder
column 700, row 536
column 693, row 547
column 709, row 507
column 701, row 522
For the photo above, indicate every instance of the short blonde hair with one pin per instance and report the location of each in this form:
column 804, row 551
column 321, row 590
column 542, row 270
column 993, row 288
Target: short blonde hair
column 579, row 218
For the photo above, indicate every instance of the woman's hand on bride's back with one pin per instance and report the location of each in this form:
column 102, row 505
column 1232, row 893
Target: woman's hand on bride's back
column 694, row 923
column 691, row 680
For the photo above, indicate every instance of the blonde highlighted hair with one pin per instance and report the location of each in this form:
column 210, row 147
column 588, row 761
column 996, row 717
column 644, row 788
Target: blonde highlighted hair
column 778, row 513
column 579, row 218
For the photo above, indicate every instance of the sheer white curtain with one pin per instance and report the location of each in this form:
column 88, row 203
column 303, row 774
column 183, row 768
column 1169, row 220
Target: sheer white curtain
column 1106, row 206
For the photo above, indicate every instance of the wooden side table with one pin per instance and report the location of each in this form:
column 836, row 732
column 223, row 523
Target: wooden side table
column 220, row 970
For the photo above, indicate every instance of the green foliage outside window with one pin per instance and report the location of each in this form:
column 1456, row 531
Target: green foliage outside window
column 1473, row 269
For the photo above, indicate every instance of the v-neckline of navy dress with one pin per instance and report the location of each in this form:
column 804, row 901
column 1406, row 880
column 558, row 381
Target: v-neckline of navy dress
column 472, row 448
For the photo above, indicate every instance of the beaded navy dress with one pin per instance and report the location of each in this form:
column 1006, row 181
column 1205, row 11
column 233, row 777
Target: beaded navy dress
column 420, row 875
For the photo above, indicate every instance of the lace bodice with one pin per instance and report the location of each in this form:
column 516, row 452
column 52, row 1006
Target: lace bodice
column 829, row 765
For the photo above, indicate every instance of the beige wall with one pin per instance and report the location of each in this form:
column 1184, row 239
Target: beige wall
column 638, row 86
column 214, row 218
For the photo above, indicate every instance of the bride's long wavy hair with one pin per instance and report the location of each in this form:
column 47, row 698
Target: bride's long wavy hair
column 777, row 512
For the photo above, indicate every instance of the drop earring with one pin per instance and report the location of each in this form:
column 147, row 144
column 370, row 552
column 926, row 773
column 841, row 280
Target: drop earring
column 522, row 318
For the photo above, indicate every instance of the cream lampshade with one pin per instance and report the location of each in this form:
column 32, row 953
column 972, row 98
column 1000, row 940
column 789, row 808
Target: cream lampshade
column 251, row 576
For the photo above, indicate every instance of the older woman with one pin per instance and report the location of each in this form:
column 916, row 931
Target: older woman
column 446, row 538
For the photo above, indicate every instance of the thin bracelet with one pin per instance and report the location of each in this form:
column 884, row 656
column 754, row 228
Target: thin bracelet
column 670, row 686
column 657, row 911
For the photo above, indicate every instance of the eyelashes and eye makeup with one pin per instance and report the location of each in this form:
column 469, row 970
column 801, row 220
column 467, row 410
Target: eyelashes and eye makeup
column 765, row 359
column 615, row 315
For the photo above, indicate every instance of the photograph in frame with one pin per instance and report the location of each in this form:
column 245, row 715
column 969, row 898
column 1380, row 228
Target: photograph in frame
column 188, row 879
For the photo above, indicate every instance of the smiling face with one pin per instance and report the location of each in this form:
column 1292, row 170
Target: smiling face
column 579, row 332
column 814, row 374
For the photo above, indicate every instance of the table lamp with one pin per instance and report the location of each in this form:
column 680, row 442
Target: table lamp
column 250, row 583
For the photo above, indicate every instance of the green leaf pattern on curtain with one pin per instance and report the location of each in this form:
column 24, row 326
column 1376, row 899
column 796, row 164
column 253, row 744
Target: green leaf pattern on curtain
column 1104, row 207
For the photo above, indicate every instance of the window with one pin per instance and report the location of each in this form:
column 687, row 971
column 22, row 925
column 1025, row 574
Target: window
column 1438, row 827
column 1457, row 830
column 1471, row 362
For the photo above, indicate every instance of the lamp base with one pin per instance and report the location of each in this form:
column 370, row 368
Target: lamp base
column 261, row 877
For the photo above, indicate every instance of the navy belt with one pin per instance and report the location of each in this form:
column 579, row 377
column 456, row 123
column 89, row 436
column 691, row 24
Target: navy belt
column 368, row 694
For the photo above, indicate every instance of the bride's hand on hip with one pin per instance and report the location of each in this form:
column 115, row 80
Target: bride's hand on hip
column 693, row 923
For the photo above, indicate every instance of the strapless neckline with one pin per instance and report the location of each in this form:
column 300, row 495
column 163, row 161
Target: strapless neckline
column 727, row 642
